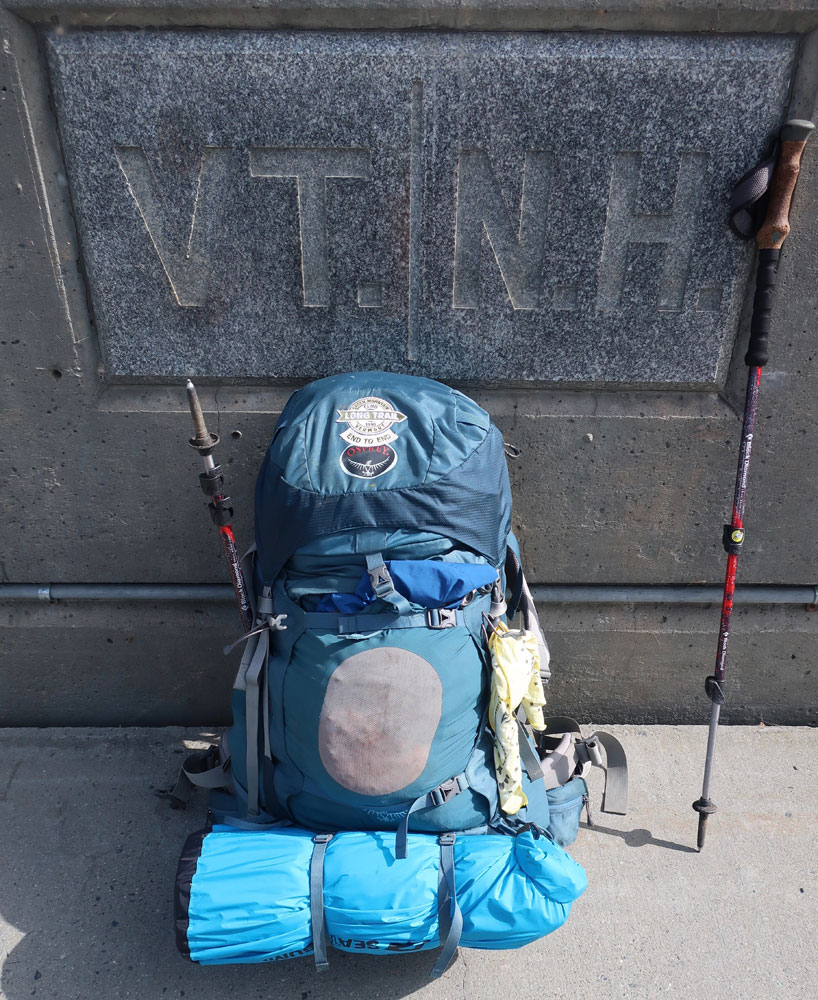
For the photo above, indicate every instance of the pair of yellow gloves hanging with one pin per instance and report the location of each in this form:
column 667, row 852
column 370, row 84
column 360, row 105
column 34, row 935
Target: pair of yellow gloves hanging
column 515, row 681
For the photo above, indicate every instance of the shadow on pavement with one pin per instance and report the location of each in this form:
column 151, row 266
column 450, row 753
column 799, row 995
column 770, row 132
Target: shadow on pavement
column 639, row 838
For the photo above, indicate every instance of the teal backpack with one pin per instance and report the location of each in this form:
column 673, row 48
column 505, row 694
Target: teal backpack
column 383, row 556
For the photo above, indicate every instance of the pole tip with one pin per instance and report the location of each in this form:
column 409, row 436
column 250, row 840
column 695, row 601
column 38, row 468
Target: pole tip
column 700, row 833
column 704, row 807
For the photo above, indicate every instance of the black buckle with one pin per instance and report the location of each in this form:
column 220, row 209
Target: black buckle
column 441, row 618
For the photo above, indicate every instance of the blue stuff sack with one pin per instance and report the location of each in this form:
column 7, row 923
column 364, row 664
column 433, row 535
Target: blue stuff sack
column 244, row 895
column 565, row 806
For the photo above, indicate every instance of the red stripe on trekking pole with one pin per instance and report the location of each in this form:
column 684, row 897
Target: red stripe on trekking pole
column 726, row 612
column 234, row 564
column 737, row 519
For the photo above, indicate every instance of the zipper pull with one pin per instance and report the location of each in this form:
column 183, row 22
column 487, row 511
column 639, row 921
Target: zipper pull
column 587, row 803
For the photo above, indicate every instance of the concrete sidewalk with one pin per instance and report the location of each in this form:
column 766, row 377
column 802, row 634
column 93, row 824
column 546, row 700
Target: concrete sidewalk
column 88, row 856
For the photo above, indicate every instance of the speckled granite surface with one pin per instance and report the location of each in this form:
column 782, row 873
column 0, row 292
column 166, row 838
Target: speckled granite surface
column 510, row 207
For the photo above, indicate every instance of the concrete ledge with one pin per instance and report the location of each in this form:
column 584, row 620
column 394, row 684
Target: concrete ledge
column 90, row 853
column 506, row 15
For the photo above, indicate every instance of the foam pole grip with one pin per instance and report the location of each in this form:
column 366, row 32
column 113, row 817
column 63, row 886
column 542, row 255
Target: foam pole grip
column 757, row 349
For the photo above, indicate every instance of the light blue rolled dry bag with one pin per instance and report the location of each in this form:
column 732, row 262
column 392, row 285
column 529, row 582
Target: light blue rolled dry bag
column 245, row 895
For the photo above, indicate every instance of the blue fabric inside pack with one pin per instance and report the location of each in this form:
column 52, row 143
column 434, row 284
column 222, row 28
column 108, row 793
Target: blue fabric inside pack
column 430, row 584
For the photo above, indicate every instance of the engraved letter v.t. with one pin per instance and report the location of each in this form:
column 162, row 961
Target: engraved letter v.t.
column 184, row 251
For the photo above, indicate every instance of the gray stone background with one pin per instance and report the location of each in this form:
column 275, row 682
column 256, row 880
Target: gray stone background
column 625, row 477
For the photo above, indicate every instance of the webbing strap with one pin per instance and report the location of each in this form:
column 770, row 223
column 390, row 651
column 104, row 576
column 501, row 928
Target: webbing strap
column 436, row 618
column 444, row 910
column 319, row 927
column 454, row 924
column 566, row 756
column 615, row 794
column 382, row 584
column 520, row 597
column 528, row 758
column 265, row 696
column 240, row 683
column 402, row 836
column 202, row 769
column 561, row 724
column 251, row 702
column 445, row 791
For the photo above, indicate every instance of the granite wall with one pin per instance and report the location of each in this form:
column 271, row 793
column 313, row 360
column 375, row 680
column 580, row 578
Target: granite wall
column 525, row 199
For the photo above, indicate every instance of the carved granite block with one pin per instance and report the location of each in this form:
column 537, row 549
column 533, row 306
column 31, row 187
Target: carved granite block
column 470, row 207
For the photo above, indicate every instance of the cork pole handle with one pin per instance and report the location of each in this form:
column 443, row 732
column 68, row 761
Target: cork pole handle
column 771, row 236
column 204, row 442
column 776, row 225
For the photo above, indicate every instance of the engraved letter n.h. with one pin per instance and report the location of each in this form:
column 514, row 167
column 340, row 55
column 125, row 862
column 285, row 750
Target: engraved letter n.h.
column 519, row 255
column 625, row 226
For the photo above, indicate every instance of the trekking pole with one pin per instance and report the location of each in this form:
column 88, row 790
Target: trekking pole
column 212, row 482
column 770, row 238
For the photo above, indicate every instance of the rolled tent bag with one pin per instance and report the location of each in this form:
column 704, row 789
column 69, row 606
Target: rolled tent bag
column 245, row 895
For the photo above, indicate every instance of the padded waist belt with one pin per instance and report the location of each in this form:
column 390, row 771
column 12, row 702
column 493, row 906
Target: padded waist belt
column 567, row 754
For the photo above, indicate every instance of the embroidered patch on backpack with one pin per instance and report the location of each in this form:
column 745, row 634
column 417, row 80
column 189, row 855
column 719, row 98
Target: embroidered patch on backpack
column 369, row 435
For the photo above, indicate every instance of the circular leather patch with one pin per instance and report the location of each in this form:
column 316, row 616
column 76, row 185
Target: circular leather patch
column 380, row 714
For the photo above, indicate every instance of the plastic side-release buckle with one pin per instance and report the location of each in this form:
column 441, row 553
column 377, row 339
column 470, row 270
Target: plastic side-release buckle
column 380, row 580
column 446, row 839
column 441, row 618
column 445, row 791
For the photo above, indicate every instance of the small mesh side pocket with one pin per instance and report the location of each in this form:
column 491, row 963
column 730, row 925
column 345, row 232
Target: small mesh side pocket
column 565, row 805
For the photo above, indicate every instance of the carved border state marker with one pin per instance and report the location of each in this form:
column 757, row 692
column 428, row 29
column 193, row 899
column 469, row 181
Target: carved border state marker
column 510, row 208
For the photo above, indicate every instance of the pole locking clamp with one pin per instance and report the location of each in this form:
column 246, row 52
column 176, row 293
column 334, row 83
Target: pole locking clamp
column 732, row 539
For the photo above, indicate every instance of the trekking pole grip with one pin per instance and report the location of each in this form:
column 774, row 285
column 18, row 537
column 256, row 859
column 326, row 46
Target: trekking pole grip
column 773, row 232
column 757, row 349
column 776, row 225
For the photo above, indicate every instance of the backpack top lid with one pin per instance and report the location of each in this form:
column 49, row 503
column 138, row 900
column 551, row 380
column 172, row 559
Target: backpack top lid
column 375, row 449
